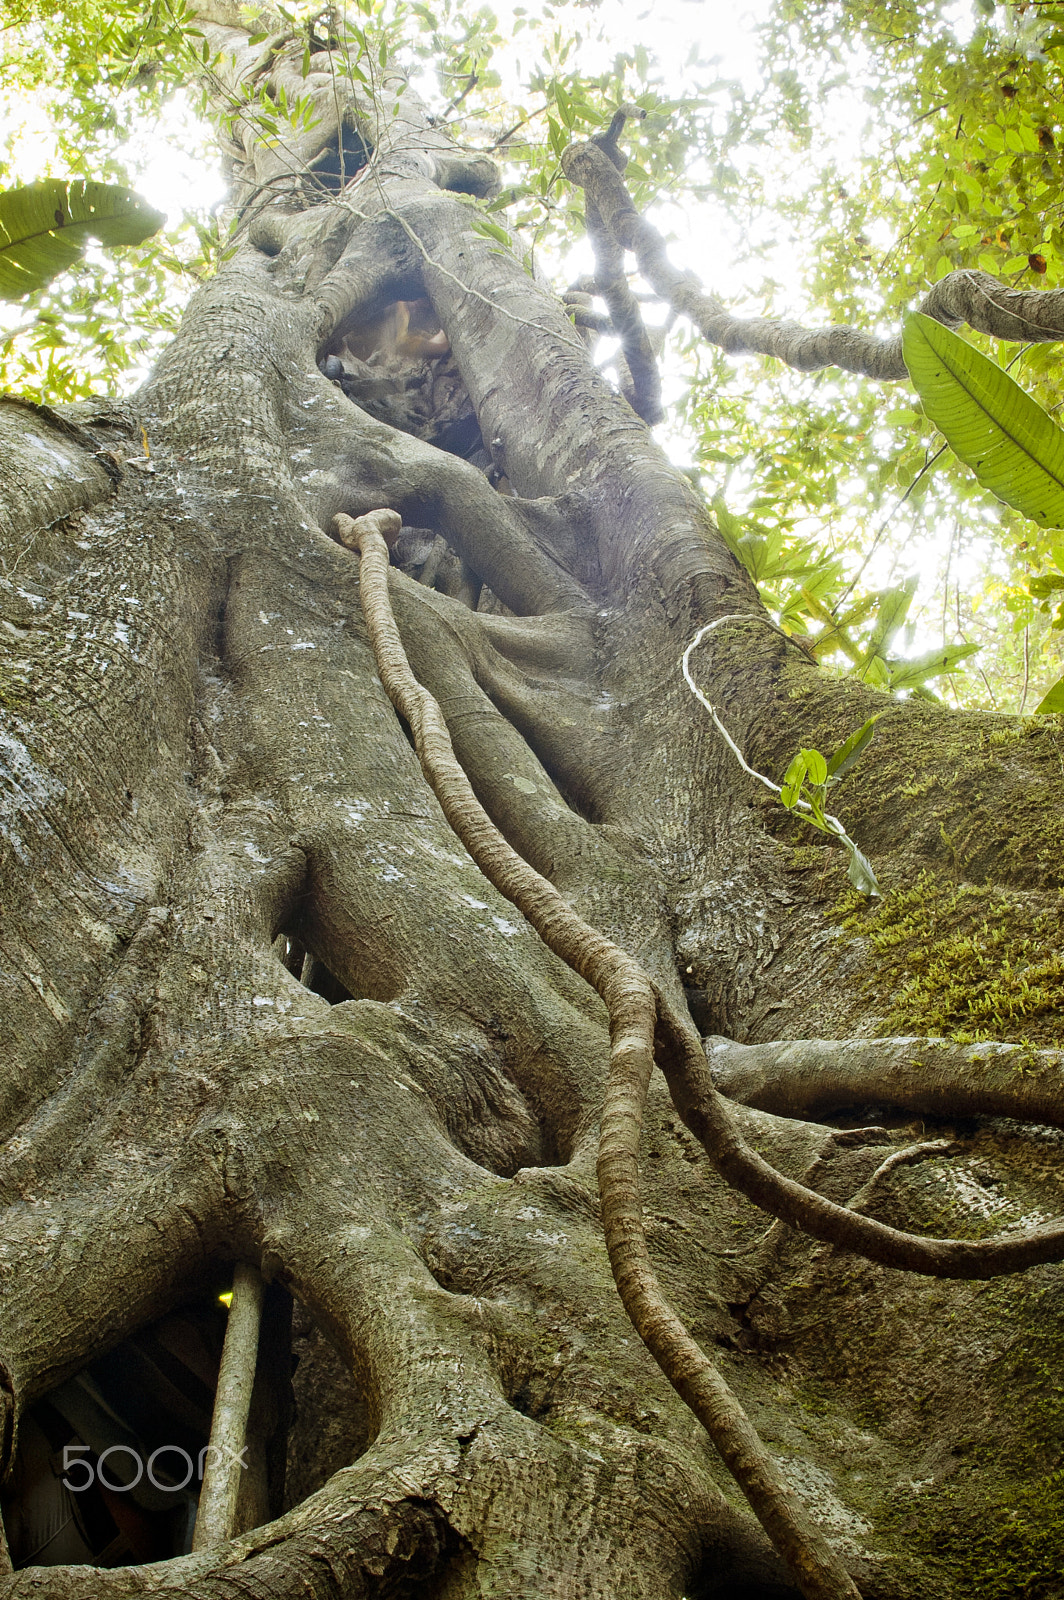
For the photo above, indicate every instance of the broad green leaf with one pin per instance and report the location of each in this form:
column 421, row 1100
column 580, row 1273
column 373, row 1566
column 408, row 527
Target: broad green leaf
column 858, row 612
column 755, row 556
column 1045, row 584
column 729, row 524
column 808, row 766
column 1053, row 701
column 816, row 766
column 907, row 674
column 859, row 871
column 793, row 780
column 490, row 230
column 45, row 226
column 792, row 618
column 855, row 746
column 1015, row 450
column 893, row 609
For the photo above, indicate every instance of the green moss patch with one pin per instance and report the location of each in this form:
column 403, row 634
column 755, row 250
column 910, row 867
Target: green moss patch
column 964, row 961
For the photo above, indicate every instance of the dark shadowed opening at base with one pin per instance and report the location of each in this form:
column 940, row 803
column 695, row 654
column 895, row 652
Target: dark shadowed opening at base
column 109, row 1464
column 312, row 973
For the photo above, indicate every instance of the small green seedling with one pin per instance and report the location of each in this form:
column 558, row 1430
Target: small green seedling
column 805, row 789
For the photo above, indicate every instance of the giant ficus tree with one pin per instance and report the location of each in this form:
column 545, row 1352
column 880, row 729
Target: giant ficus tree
column 382, row 911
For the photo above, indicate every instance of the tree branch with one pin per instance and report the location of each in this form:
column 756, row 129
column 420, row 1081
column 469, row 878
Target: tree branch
column 811, row 1077
column 965, row 296
column 611, row 283
column 626, row 318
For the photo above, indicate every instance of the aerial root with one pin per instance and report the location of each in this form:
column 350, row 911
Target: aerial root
column 1027, row 316
column 632, row 1004
column 705, row 1113
column 635, row 1009
column 216, row 1517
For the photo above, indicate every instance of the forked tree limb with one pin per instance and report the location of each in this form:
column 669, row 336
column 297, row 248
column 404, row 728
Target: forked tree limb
column 630, row 999
column 611, row 283
column 966, row 296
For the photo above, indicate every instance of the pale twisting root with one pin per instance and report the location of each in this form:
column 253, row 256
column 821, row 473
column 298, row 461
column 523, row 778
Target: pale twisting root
column 634, row 1011
column 632, row 1004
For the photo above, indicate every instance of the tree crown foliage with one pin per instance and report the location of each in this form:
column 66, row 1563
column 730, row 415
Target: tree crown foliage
column 874, row 150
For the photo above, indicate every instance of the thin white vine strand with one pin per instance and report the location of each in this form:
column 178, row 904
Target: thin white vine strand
column 836, row 826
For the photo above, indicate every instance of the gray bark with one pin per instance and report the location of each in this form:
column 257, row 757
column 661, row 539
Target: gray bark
column 203, row 773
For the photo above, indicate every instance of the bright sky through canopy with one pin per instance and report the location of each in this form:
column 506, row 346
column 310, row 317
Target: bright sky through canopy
column 803, row 162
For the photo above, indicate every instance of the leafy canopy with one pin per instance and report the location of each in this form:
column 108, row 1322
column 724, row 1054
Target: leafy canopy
column 872, row 148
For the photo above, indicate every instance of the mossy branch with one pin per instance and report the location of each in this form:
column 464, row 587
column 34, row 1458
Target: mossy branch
column 810, row 1078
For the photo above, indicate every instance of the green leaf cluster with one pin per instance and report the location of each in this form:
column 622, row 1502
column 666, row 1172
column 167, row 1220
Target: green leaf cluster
column 805, row 789
column 951, row 160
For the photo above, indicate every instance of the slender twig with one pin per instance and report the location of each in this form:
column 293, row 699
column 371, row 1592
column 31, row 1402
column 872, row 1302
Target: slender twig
column 885, row 524
column 457, row 101
column 529, row 116
column 989, row 690
column 338, row 114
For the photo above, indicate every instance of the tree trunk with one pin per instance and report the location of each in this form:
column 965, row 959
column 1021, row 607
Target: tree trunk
column 207, row 787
